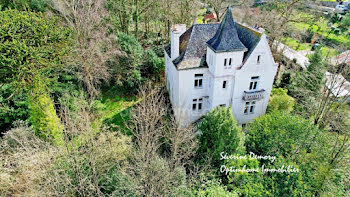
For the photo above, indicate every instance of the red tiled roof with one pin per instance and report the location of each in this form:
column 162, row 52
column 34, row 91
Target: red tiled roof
column 211, row 16
column 344, row 57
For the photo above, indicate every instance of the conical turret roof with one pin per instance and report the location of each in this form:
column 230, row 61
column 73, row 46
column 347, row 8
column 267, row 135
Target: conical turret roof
column 226, row 38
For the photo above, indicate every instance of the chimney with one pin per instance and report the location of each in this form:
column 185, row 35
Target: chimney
column 176, row 32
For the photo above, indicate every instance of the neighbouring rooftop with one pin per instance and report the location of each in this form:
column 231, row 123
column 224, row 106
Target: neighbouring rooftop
column 338, row 85
column 342, row 58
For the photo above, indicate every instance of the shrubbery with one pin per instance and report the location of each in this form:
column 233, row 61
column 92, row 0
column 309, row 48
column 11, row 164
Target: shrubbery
column 136, row 64
column 35, row 5
column 219, row 133
column 280, row 101
column 32, row 46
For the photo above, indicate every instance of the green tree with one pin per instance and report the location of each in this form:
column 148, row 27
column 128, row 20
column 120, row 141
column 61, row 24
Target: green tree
column 37, row 5
column 279, row 100
column 153, row 64
column 345, row 22
column 296, row 141
column 307, row 85
column 13, row 109
column 280, row 134
column 313, row 78
column 285, row 80
column 137, row 64
column 220, row 133
column 213, row 188
column 128, row 67
column 32, row 45
column 267, row 184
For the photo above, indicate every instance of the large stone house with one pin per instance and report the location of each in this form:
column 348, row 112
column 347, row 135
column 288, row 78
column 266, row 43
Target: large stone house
column 226, row 64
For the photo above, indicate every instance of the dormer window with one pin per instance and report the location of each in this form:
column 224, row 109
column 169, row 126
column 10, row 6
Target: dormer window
column 225, row 62
column 258, row 60
column 229, row 63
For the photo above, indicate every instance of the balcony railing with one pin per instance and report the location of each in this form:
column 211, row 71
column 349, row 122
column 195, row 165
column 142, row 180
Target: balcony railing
column 255, row 95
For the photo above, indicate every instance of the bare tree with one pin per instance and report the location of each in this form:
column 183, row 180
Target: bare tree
column 93, row 46
column 276, row 21
column 329, row 110
column 183, row 143
column 219, row 6
column 146, row 122
column 30, row 166
column 158, row 171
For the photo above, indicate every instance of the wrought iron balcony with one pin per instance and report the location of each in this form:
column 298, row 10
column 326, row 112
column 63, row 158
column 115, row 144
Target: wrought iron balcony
column 253, row 95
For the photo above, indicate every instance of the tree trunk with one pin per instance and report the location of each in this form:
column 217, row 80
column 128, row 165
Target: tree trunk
column 136, row 16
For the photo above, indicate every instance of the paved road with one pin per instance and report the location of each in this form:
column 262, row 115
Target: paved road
column 292, row 54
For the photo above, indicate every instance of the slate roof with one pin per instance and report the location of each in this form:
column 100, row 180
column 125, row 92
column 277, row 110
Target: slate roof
column 168, row 50
column 226, row 38
column 193, row 43
column 248, row 37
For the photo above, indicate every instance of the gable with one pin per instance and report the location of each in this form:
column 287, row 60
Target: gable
column 249, row 38
column 261, row 48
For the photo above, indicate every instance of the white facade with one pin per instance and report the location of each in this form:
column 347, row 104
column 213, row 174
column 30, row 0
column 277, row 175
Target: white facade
column 243, row 86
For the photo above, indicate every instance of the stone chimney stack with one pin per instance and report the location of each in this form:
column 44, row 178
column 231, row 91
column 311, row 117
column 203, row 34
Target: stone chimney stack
column 176, row 32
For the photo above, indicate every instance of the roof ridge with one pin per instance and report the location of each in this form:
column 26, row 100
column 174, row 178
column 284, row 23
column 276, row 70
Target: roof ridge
column 250, row 28
column 206, row 24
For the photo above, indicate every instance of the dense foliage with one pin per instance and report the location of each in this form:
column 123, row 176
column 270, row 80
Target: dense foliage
column 292, row 133
column 64, row 135
column 137, row 64
column 307, row 84
column 279, row 100
column 32, row 46
column 13, row 109
column 219, row 133
column 293, row 141
column 38, row 5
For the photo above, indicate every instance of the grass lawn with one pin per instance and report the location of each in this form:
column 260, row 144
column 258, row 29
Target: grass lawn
column 296, row 45
column 115, row 103
column 329, row 52
column 321, row 28
column 116, row 100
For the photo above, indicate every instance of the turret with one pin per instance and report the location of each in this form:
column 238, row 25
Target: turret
column 225, row 51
